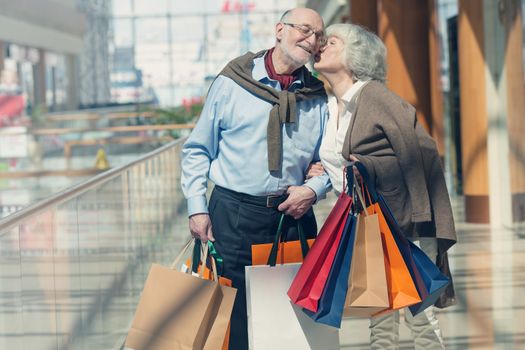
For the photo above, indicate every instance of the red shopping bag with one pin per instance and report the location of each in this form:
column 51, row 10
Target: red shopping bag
column 307, row 286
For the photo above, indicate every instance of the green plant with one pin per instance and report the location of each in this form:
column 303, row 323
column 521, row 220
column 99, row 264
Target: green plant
column 178, row 115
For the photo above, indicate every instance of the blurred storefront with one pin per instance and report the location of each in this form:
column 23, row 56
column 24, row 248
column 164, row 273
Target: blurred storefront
column 39, row 46
column 53, row 56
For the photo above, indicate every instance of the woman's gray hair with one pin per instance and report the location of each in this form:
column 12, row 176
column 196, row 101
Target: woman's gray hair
column 364, row 54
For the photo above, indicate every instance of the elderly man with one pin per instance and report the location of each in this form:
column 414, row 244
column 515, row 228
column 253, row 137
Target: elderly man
column 260, row 128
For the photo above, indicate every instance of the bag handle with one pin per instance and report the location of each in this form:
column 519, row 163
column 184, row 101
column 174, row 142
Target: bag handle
column 219, row 261
column 200, row 249
column 359, row 191
column 214, row 256
column 348, row 180
column 213, row 268
column 366, row 179
column 179, row 257
column 272, row 259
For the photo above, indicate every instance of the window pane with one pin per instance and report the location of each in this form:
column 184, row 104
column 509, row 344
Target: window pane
column 151, row 7
column 151, row 30
column 123, row 32
column 121, row 8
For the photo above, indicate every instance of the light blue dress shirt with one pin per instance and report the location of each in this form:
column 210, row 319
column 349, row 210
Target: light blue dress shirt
column 228, row 144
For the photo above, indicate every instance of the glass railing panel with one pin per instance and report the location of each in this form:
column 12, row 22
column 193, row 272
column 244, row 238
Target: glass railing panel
column 115, row 253
column 39, row 308
column 92, row 269
column 68, row 284
column 11, row 326
column 72, row 268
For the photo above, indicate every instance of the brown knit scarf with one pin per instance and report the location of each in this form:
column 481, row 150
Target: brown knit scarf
column 284, row 102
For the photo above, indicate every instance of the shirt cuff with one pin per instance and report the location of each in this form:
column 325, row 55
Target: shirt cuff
column 197, row 205
column 319, row 186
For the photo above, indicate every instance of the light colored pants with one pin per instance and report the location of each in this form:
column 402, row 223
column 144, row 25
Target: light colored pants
column 426, row 334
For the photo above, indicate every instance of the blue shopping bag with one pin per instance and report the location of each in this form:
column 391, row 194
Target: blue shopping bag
column 429, row 280
column 435, row 281
column 332, row 301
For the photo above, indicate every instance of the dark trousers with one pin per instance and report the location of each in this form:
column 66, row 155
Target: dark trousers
column 239, row 221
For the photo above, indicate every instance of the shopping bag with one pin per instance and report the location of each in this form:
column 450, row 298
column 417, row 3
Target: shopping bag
column 195, row 266
column 332, row 301
column 401, row 241
column 281, row 252
column 447, row 297
column 273, row 321
column 309, row 282
column 435, row 281
column 178, row 310
column 367, row 284
column 401, row 287
column 406, row 286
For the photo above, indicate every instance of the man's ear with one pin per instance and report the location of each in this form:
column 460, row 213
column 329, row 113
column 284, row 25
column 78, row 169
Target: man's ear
column 279, row 27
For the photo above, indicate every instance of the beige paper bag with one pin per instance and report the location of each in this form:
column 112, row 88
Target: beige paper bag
column 367, row 285
column 180, row 311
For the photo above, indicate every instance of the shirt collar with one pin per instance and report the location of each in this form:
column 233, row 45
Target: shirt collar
column 347, row 97
column 259, row 72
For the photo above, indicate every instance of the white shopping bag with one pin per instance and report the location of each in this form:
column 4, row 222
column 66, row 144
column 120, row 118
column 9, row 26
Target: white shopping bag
column 273, row 321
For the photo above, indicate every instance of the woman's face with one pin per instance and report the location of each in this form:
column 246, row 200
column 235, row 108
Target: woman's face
column 330, row 57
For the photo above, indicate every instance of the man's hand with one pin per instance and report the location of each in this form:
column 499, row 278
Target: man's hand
column 300, row 199
column 200, row 227
column 314, row 169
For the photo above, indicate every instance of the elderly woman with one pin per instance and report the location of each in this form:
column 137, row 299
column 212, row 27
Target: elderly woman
column 370, row 124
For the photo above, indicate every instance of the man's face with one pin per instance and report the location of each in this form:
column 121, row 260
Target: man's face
column 300, row 35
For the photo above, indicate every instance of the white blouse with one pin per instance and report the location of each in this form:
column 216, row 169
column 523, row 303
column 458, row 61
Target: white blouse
column 332, row 144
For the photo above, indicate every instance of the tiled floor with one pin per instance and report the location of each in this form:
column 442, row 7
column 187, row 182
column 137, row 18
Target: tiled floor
column 489, row 278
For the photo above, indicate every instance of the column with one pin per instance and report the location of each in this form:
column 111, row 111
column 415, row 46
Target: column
column 2, row 55
column 72, row 70
column 39, row 74
column 364, row 13
column 403, row 27
column 515, row 76
column 473, row 111
column 492, row 109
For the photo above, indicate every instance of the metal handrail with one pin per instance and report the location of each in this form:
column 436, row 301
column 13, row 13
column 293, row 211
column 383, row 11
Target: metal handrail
column 17, row 217
column 127, row 128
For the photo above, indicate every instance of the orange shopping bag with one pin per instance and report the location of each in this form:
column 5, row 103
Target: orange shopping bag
column 287, row 252
column 401, row 288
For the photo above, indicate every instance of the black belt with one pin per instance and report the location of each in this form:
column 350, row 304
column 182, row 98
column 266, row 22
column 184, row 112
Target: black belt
column 269, row 201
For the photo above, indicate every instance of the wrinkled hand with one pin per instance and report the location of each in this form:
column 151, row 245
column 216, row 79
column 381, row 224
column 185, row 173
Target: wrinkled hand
column 314, row 169
column 200, row 227
column 300, row 199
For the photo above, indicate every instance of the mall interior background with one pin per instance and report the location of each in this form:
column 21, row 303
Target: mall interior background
column 77, row 238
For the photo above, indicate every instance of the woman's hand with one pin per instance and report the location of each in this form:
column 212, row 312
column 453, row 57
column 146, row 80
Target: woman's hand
column 314, row 169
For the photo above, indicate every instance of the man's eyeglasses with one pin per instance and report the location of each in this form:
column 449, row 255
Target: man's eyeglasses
column 307, row 31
